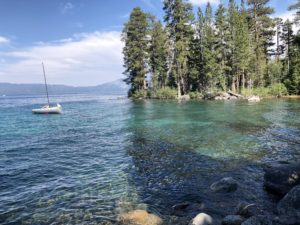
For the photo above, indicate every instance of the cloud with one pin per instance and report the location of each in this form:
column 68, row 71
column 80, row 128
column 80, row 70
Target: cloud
column 83, row 60
column 65, row 8
column 204, row 2
column 4, row 40
column 289, row 16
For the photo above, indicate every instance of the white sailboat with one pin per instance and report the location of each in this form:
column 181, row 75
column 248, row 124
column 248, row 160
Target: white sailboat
column 47, row 109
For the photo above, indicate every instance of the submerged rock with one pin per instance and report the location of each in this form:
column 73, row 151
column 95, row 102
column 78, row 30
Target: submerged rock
column 258, row 220
column 280, row 178
column 246, row 209
column 139, row 217
column 289, row 207
column 227, row 184
column 233, row 220
column 187, row 208
column 202, row 219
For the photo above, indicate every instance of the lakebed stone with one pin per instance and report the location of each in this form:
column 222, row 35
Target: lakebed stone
column 187, row 208
column 202, row 219
column 258, row 220
column 139, row 217
column 281, row 177
column 246, row 209
column 289, row 207
column 227, row 184
column 233, row 220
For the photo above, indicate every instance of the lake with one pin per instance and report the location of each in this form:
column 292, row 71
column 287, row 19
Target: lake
column 104, row 156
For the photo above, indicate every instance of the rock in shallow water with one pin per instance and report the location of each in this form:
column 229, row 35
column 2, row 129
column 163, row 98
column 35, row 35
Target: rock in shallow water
column 280, row 178
column 233, row 220
column 258, row 220
column 187, row 208
column 246, row 209
column 202, row 219
column 289, row 207
column 227, row 184
column 139, row 217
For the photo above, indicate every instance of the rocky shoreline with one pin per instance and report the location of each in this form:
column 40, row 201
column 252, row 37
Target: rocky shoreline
column 281, row 180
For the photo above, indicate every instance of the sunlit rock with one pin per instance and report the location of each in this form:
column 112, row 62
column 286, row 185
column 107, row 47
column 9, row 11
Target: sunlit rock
column 202, row 219
column 139, row 217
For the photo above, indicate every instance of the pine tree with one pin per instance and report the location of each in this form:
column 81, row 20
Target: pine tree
column 222, row 37
column 261, row 24
column 158, row 56
column 135, row 54
column 179, row 18
column 211, row 67
column 196, row 64
column 296, row 7
column 243, row 51
column 232, row 28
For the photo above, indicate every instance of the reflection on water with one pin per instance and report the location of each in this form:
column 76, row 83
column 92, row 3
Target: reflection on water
column 103, row 157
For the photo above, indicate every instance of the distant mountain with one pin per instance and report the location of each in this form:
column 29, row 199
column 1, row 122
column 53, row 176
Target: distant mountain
column 117, row 87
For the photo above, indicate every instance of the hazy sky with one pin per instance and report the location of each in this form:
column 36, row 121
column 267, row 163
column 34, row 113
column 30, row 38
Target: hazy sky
column 78, row 40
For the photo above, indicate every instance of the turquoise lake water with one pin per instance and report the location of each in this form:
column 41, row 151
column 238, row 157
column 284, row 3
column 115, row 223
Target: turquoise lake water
column 104, row 156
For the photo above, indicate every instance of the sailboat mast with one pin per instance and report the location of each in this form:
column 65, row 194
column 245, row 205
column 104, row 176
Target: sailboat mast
column 46, row 84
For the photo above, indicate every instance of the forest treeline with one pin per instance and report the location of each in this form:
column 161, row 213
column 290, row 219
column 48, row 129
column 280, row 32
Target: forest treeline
column 237, row 47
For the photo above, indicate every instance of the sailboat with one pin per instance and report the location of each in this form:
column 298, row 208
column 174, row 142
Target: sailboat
column 47, row 109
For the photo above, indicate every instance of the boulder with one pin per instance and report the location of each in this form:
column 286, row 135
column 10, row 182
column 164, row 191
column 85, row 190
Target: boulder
column 233, row 97
column 187, row 208
column 280, row 178
column 184, row 98
column 233, row 220
column 227, row 184
column 289, row 207
column 139, row 217
column 220, row 98
column 258, row 220
column 246, row 209
column 202, row 219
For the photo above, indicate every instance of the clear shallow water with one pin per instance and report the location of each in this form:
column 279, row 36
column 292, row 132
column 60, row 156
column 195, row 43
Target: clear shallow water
column 104, row 156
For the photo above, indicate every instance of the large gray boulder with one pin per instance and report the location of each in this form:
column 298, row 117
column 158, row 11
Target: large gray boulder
column 233, row 220
column 280, row 178
column 289, row 207
column 227, row 184
column 258, row 220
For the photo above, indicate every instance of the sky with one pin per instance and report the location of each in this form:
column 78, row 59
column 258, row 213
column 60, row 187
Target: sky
column 79, row 41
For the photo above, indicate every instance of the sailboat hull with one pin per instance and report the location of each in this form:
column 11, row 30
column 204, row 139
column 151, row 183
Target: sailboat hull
column 48, row 110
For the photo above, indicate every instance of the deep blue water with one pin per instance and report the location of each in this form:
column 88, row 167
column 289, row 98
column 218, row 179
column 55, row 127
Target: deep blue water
column 104, row 156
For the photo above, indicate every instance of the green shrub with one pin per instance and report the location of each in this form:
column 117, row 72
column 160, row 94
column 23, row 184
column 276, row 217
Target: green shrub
column 261, row 91
column 139, row 94
column 167, row 93
column 278, row 90
column 196, row 95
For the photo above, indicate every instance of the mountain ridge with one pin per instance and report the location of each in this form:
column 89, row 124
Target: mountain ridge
column 117, row 87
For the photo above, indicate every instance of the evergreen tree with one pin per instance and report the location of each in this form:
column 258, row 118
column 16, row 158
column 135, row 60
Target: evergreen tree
column 135, row 54
column 261, row 25
column 287, row 37
column 296, row 7
column 222, row 37
column 211, row 67
column 158, row 57
column 196, row 64
column 179, row 18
